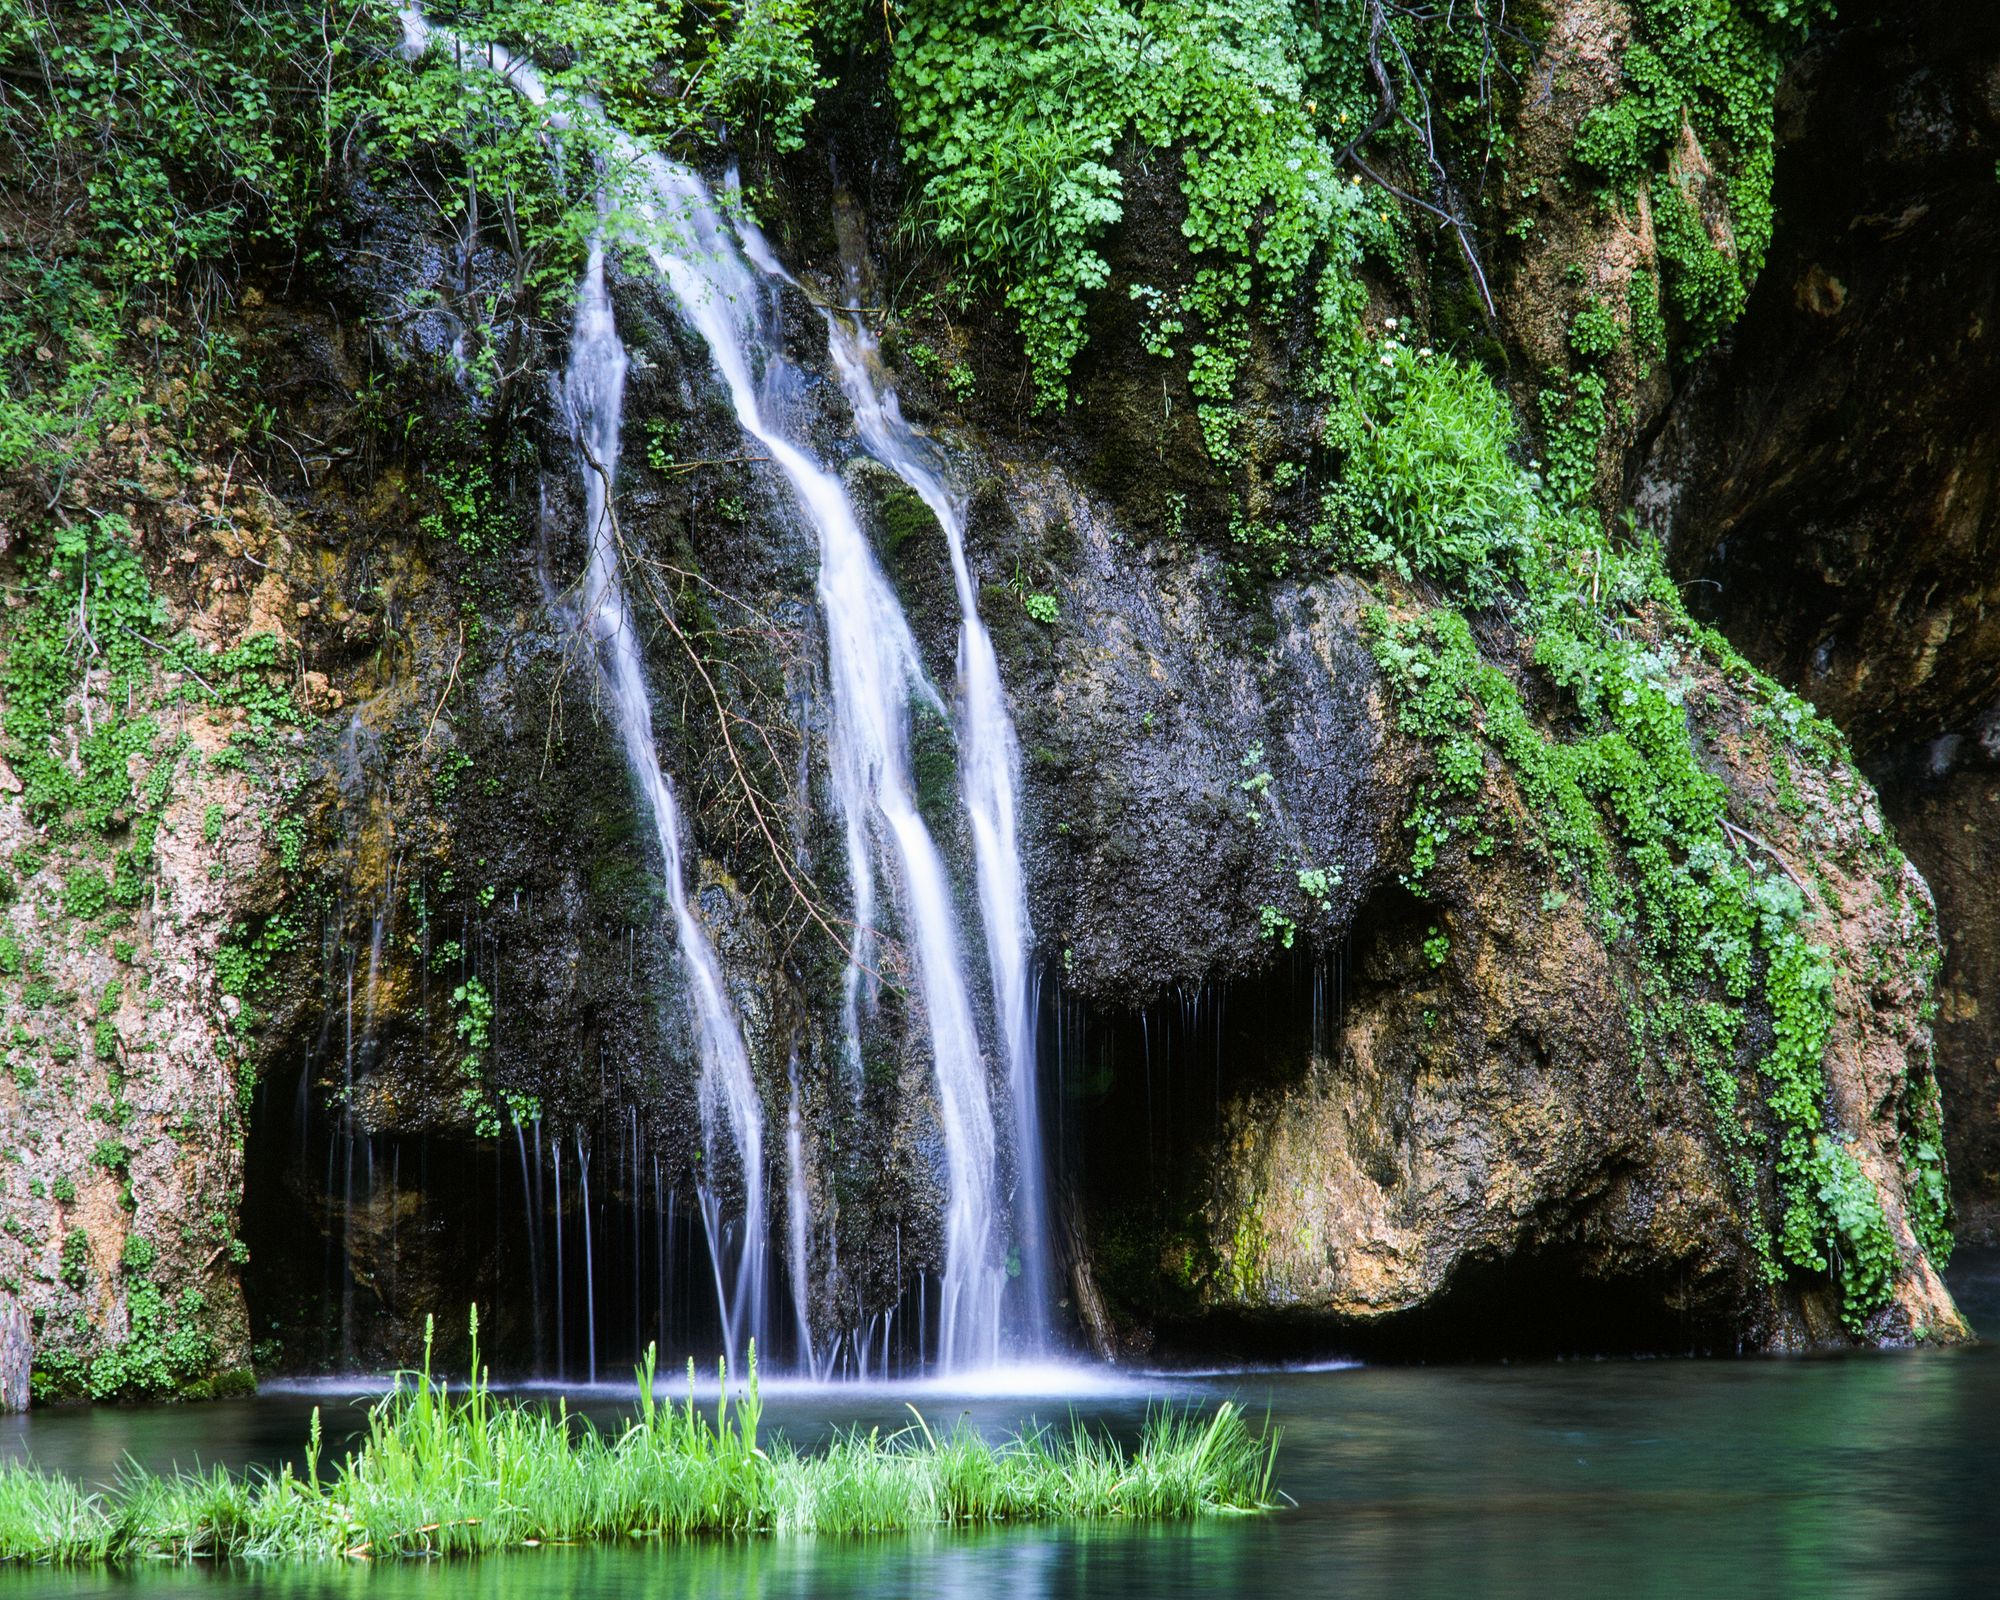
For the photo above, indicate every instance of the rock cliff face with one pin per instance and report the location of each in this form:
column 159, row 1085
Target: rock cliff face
column 1491, row 958
column 1828, row 483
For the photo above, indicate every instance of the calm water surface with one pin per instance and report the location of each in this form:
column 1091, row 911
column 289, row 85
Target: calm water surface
column 1863, row 1476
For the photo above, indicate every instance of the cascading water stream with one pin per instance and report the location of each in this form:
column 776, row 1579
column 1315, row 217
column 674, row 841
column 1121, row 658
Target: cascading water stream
column 989, row 775
column 797, row 1253
column 593, row 392
column 875, row 670
column 593, row 396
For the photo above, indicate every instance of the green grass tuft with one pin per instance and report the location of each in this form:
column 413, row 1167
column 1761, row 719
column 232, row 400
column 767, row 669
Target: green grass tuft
column 461, row 1472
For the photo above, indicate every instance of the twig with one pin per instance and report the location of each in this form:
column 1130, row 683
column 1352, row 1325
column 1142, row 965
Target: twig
column 452, row 678
column 178, row 666
column 1745, row 836
column 679, row 467
column 723, row 719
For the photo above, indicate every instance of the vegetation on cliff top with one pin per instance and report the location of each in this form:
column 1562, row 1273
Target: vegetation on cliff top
column 445, row 1472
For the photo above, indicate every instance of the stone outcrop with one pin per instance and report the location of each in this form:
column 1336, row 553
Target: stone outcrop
column 1829, row 484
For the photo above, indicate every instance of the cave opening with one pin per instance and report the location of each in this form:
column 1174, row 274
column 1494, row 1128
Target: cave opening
column 579, row 1247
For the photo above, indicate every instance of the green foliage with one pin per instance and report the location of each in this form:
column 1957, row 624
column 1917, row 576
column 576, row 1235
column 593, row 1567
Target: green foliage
column 175, row 126
column 534, row 197
column 1711, row 67
column 1015, row 119
column 172, row 144
column 65, row 384
column 1620, row 799
column 243, row 961
column 1274, row 924
column 1857, row 1233
column 75, row 1262
column 111, row 1155
column 444, row 1472
column 473, row 1027
column 1925, row 1184
column 164, row 1350
column 86, row 892
column 1044, row 608
column 470, row 512
column 93, row 605
column 92, row 610
column 1428, row 482
column 1706, row 287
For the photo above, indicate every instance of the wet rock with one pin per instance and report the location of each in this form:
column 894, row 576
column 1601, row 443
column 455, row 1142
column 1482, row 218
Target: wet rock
column 1827, row 483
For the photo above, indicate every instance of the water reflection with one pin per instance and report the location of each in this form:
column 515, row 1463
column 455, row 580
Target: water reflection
column 1862, row 1476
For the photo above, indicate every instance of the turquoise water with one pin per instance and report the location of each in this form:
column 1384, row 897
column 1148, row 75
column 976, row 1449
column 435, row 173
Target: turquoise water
column 1854, row 1476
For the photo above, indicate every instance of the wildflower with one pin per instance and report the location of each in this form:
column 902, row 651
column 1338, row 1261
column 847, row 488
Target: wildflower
column 1387, row 359
column 1424, row 354
column 1390, row 323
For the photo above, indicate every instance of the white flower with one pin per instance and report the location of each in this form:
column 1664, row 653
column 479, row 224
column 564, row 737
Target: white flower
column 1388, row 360
column 1424, row 353
column 1389, row 323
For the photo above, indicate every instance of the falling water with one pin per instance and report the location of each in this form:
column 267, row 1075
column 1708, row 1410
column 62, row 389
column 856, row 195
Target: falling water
column 594, row 397
column 798, row 1260
column 989, row 773
column 594, row 390
column 875, row 670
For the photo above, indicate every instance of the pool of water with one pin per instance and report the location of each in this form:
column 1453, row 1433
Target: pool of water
column 1859, row 1475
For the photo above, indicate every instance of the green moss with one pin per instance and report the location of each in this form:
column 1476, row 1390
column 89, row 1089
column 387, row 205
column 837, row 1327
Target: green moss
column 905, row 518
column 1249, row 1246
column 1706, row 288
column 1649, row 323
column 1709, row 67
column 934, row 763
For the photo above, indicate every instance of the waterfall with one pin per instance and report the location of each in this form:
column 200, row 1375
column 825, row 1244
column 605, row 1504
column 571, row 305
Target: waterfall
column 593, row 392
column 989, row 775
column 594, row 396
column 876, row 672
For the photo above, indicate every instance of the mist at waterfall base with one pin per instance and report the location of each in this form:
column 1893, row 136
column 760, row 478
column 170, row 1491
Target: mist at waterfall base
column 1858, row 1477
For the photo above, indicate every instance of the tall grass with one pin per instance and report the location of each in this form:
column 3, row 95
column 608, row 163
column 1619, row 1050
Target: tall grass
column 444, row 1472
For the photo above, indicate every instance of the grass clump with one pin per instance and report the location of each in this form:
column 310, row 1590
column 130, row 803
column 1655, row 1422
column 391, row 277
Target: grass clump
column 444, row 1472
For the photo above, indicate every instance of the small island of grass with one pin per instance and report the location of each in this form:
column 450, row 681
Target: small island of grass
column 443, row 1471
